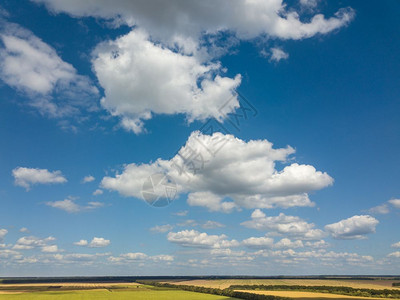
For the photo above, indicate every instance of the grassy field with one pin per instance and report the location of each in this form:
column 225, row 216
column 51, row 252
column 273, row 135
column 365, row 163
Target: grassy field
column 225, row 283
column 86, row 291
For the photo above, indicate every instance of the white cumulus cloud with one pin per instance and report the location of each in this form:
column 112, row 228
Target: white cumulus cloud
column 193, row 238
column 355, row 227
column 30, row 65
column 141, row 78
column 97, row 242
column 70, row 206
column 88, row 178
column 229, row 168
column 395, row 203
column 182, row 20
column 283, row 225
column 163, row 66
column 396, row 245
column 278, row 54
column 26, row 177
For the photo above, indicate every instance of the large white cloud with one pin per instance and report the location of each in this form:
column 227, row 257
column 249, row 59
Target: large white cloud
column 227, row 167
column 171, row 20
column 283, row 225
column 26, row 177
column 193, row 238
column 355, row 227
column 32, row 66
column 163, row 66
column 141, row 78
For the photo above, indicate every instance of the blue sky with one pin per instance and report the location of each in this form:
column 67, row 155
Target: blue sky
column 305, row 183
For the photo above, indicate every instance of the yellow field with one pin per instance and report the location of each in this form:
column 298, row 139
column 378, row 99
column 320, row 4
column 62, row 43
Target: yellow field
column 225, row 283
column 309, row 295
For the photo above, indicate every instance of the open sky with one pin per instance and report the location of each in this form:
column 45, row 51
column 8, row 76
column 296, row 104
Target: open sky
column 199, row 137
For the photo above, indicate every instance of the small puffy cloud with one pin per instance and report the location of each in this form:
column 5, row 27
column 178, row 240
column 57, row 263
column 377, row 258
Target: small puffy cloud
column 380, row 209
column 317, row 244
column 34, row 67
column 385, row 207
column 396, row 245
column 99, row 242
column 394, row 254
column 95, row 243
column 24, row 230
column 3, row 233
column 30, row 242
column 93, row 205
column 67, row 205
column 134, row 256
column 81, row 243
column 193, row 238
column 288, row 244
column 162, row 228
column 70, row 206
column 88, row 178
column 26, row 177
column 277, row 54
column 50, row 249
column 355, row 227
column 283, row 225
column 258, row 242
column 97, row 192
column 242, row 171
column 395, row 203
column 141, row 78
column 212, row 224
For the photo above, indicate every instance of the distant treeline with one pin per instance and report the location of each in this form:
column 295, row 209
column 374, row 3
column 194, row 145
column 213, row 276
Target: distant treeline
column 134, row 278
column 396, row 284
column 341, row 290
column 213, row 291
column 67, row 279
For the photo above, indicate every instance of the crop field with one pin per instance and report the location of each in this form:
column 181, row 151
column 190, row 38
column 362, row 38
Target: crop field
column 309, row 295
column 225, row 283
column 83, row 291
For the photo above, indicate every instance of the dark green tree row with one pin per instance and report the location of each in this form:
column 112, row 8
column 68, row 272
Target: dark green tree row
column 213, row 291
column 341, row 290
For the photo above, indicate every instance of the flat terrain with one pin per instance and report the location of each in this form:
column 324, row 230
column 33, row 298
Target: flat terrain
column 309, row 295
column 89, row 291
column 225, row 283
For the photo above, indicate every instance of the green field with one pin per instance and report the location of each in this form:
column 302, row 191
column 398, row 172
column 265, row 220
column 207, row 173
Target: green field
column 142, row 293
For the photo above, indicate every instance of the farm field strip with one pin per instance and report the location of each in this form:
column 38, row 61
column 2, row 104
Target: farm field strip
column 309, row 295
column 141, row 292
column 226, row 283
